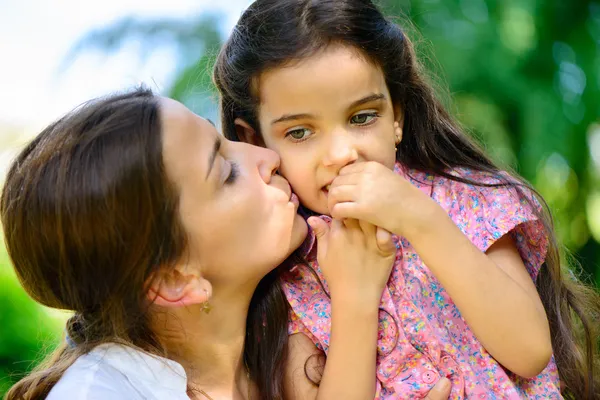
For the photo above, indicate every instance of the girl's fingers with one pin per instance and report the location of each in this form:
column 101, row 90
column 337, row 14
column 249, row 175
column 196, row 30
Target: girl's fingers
column 369, row 230
column 320, row 228
column 341, row 180
column 347, row 210
column 341, row 194
column 351, row 224
column 352, row 168
column 384, row 240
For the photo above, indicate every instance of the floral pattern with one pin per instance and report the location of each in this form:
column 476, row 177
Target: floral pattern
column 422, row 335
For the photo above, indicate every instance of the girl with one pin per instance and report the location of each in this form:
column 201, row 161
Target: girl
column 477, row 293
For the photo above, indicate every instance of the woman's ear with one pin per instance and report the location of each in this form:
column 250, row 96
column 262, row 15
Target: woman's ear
column 247, row 134
column 179, row 288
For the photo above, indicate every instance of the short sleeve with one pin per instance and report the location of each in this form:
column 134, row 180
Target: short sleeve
column 310, row 308
column 485, row 214
column 295, row 325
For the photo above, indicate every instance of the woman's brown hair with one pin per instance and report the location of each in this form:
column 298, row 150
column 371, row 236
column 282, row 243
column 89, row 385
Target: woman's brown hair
column 88, row 216
column 273, row 33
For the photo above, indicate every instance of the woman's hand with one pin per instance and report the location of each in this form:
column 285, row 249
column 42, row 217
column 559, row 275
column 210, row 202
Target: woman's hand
column 356, row 259
column 441, row 390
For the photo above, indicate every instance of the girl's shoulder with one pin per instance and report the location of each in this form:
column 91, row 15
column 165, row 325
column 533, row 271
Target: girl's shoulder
column 464, row 187
column 487, row 206
column 465, row 178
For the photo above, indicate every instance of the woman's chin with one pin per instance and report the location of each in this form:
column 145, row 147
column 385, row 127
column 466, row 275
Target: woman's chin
column 299, row 232
column 297, row 237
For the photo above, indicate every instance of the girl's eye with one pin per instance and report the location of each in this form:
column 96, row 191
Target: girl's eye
column 364, row 118
column 233, row 174
column 299, row 134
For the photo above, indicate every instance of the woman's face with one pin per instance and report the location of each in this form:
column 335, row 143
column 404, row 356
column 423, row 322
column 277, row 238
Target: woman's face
column 240, row 218
column 323, row 113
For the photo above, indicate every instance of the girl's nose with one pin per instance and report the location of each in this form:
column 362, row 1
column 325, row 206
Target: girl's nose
column 342, row 151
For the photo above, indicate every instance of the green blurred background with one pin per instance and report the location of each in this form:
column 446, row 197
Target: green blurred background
column 522, row 76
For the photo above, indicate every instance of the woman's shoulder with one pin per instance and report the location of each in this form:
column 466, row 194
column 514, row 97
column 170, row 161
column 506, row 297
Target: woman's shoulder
column 91, row 378
column 118, row 372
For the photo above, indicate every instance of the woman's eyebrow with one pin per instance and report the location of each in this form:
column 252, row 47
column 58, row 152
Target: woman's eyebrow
column 213, row 155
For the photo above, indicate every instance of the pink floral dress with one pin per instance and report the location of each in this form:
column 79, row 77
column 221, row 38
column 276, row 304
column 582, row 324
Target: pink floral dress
column 422, row 335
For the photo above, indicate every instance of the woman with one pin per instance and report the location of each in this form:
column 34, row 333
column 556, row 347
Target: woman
column 134, row 213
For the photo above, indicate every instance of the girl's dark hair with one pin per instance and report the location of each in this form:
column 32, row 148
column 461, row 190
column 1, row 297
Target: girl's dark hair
column 89, row 216
column 275, row 33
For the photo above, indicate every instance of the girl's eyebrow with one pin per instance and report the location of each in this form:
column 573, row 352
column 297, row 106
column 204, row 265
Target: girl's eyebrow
column 291, row 117
column 368, row 99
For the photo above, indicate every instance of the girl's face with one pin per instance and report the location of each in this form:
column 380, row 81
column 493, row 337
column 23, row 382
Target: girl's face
column 240, row 217
column 323, row 113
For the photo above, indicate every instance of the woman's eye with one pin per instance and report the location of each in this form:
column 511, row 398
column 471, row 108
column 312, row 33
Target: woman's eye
column 364, row 118
column 299, row 134
column 233, row 174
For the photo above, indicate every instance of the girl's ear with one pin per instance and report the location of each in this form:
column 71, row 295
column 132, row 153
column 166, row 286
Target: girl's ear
column 398, row 124
column 399, row 116
column 247, row 134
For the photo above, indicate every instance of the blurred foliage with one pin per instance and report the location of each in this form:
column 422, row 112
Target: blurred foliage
column 522, row 76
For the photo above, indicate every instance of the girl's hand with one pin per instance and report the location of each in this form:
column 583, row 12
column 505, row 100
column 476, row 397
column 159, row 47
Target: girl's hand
column 356, row 259
column 371, row 192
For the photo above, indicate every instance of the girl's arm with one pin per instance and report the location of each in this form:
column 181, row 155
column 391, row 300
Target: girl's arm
column 493, row 291
column 356, row 267
column 350, row 370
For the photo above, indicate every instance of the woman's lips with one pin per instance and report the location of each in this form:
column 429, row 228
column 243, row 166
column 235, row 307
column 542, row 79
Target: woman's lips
column 294, row 200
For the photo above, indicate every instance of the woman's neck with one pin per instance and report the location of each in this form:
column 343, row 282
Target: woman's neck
column 209, row 346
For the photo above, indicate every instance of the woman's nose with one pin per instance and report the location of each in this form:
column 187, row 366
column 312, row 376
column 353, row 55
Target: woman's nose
column 268, row 163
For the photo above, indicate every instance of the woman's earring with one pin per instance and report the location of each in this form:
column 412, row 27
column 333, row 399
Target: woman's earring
column 206, row 307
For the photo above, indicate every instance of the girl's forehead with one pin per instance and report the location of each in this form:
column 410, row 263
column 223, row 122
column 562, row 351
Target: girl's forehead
column 336, row 77
column 323, row 64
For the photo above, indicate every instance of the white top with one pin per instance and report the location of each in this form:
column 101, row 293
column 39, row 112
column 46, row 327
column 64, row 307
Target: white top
column 117, row 372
